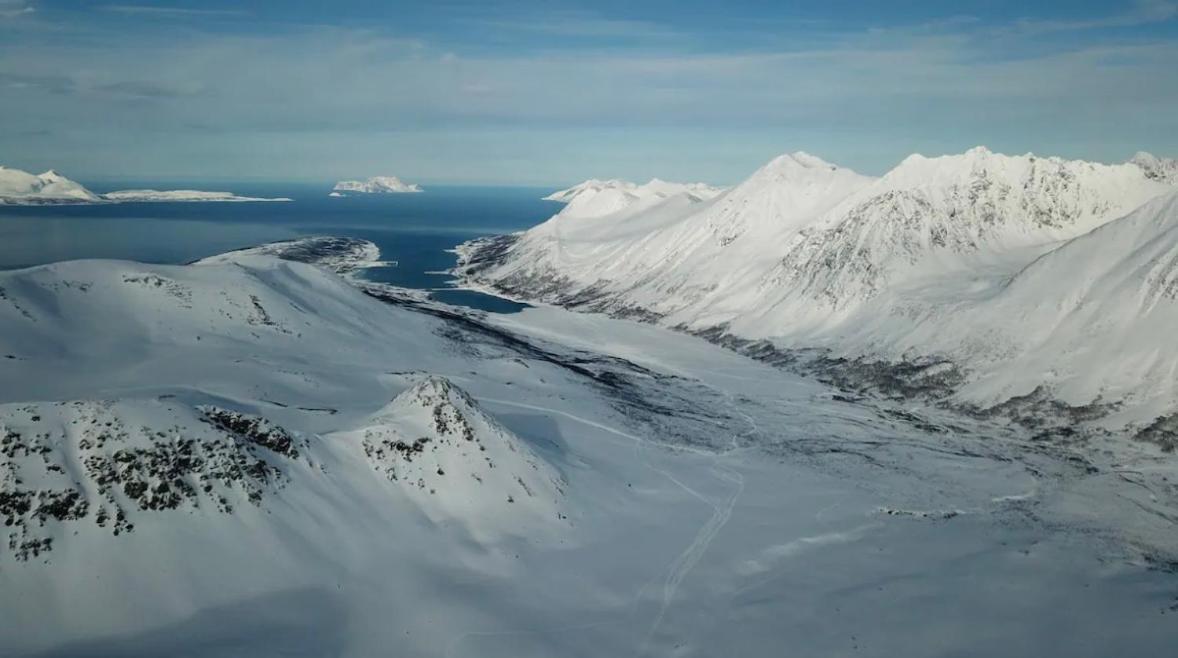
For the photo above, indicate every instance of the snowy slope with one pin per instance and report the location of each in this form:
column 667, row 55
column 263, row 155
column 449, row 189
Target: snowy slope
column 249, row 456
column 811, row 255
column 374, row 185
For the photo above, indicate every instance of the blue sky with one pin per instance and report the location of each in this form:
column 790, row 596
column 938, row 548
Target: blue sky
column 554, row 92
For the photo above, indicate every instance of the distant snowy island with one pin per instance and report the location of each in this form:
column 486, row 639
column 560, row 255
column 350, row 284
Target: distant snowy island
column 374, row 185
column 181, row 195
column 19, row 187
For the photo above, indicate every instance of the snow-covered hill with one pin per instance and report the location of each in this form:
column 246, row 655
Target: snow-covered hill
column 192, row 319
column 374, row 185
column 51, row 188
column 807, row 254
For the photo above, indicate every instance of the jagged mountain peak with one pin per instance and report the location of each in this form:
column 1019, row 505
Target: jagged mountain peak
column 434, row 391
column 1163, row 170
column 458, row 463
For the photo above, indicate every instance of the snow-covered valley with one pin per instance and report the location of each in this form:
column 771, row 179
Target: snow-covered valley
column 257, row 455
column 1033, row 288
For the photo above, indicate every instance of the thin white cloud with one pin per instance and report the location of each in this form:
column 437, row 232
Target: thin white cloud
column 577, row 23
column 15, row 8
column 149, row 10
column 1143, row 12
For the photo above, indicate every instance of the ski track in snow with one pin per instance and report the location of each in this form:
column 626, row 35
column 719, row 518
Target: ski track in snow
column 681, row 566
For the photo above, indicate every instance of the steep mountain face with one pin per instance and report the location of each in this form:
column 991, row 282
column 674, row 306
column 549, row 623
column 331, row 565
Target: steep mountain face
column 807, row 254
column 1090, row 321
column 375, row 185
column 929, row 217
column 21, row 187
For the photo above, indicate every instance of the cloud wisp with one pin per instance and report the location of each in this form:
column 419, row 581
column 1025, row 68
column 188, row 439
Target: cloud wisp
column 152, row 10
column 15, row 8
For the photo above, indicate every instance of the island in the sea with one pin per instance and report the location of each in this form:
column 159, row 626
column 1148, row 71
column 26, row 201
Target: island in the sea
column 374, row 185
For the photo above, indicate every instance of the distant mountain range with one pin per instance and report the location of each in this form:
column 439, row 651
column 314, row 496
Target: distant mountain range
column 984, row 279
column 51, row 188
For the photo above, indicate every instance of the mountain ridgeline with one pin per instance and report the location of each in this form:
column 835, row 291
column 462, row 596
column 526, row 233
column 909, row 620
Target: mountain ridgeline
column 1036, row 286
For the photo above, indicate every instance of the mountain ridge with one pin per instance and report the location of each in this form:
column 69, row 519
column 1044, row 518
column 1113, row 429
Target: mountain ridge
column 805, row 254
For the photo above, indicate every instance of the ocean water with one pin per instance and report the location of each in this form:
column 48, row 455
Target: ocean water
column 416, row 230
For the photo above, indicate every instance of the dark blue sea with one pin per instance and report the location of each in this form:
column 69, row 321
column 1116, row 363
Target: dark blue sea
column 413, row 229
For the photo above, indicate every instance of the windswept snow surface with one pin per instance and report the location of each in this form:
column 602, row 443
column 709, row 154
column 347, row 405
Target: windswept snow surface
column 251, row 455
column 51, row 188
column 808, row 255
column 374, row 185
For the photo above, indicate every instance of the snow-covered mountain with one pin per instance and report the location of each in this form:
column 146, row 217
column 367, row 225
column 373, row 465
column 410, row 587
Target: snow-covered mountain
column 661, row 256
column 51, row 188
column 21, row 187
column 808, row 254
column 374, row 185
column 597, row 198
